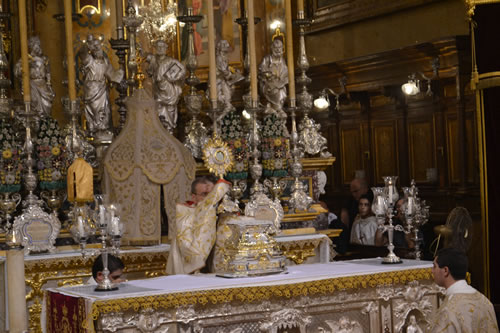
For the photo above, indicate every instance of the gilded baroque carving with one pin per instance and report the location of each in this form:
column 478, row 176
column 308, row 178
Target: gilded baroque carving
column 75, row 270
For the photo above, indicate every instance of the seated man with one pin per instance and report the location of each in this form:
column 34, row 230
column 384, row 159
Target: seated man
column 195, row 227
column 365, row 225
column 464, row 309
column 115, row 267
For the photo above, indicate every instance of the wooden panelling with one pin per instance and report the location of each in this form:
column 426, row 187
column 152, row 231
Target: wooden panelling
column 385, row 149
column 452, row 143
column 421, row 154
column 350, row 152
column 472, row 172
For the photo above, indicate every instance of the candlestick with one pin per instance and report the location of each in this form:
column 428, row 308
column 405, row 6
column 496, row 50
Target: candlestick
column 68, row 25
column 23, row 35
column 289, row 52
column 251, row 49
column 211, row 54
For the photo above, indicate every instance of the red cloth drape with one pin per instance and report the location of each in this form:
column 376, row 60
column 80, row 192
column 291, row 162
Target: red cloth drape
column 65, row 314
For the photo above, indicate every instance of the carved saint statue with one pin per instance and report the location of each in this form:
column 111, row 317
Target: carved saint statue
column 227, row 77
column 42, row 93
column 413, row 326
column 168, row 76
column 97, row 73
column 273, row 78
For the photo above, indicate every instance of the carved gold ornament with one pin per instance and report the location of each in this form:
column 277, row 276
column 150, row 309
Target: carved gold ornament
column 258, row 293
column 217, row 156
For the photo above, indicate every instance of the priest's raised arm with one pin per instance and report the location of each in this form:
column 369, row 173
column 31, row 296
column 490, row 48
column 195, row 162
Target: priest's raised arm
column 195, row 227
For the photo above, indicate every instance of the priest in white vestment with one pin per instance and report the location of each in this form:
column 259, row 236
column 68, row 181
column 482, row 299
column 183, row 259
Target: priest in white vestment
column 464, row 309
column 195, row 227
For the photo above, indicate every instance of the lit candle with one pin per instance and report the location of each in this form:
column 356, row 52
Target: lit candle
column 251, row 50
column 119, row 13
column 289, row 52
column 211, row 54
column 23, row 35
column 389, row 197
column 68, row 24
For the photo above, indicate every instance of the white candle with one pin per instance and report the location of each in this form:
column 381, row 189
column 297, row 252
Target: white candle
column 410, row 205
column 300, row 6
column 23, row 36
column 211, row 54
column 81, row 230
column 389, row 198
column 102, row 215
column 68, row 24
column 115, row 226
column 18, row 317
column 119, row 13
column 252, row 51
column 380, row 205
column 289, row 52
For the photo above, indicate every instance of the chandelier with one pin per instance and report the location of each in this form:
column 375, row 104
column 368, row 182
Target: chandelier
column 160, row 22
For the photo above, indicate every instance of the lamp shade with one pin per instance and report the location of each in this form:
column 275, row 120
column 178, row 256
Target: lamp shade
column 410, row 88
column 321, row 102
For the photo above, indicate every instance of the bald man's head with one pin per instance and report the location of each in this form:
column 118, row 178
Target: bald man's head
column 358, row 187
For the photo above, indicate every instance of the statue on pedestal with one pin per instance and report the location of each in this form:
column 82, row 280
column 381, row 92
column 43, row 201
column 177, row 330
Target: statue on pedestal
column 168, row 76
column 97, row 72
column 227, row 77
column 42, row 94
column 273, row 78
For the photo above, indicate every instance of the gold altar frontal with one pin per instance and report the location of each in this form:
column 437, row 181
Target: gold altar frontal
column 358, row 296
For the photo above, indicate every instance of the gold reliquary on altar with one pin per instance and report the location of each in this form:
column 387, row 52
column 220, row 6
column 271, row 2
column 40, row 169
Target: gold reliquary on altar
column 248, row 248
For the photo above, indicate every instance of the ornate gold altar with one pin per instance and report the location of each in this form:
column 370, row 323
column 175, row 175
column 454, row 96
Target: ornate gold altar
column 357, row 296
column 68, row 268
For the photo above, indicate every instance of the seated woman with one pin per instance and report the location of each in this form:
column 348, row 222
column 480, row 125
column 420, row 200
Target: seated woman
column 364, row 227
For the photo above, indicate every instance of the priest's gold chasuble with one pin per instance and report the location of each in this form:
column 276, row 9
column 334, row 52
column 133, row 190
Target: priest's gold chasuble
column 141, row 162
column 195, row 232
column 465, row 313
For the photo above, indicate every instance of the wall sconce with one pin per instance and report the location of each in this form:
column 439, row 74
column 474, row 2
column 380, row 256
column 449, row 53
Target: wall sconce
column 412, row 87
column 323, row 102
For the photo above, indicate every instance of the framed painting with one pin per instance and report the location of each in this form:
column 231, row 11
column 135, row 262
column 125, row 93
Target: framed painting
column 225, row 14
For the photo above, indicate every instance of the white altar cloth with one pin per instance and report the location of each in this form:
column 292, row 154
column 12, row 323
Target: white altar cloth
column 347, row 288
column 201, row 282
